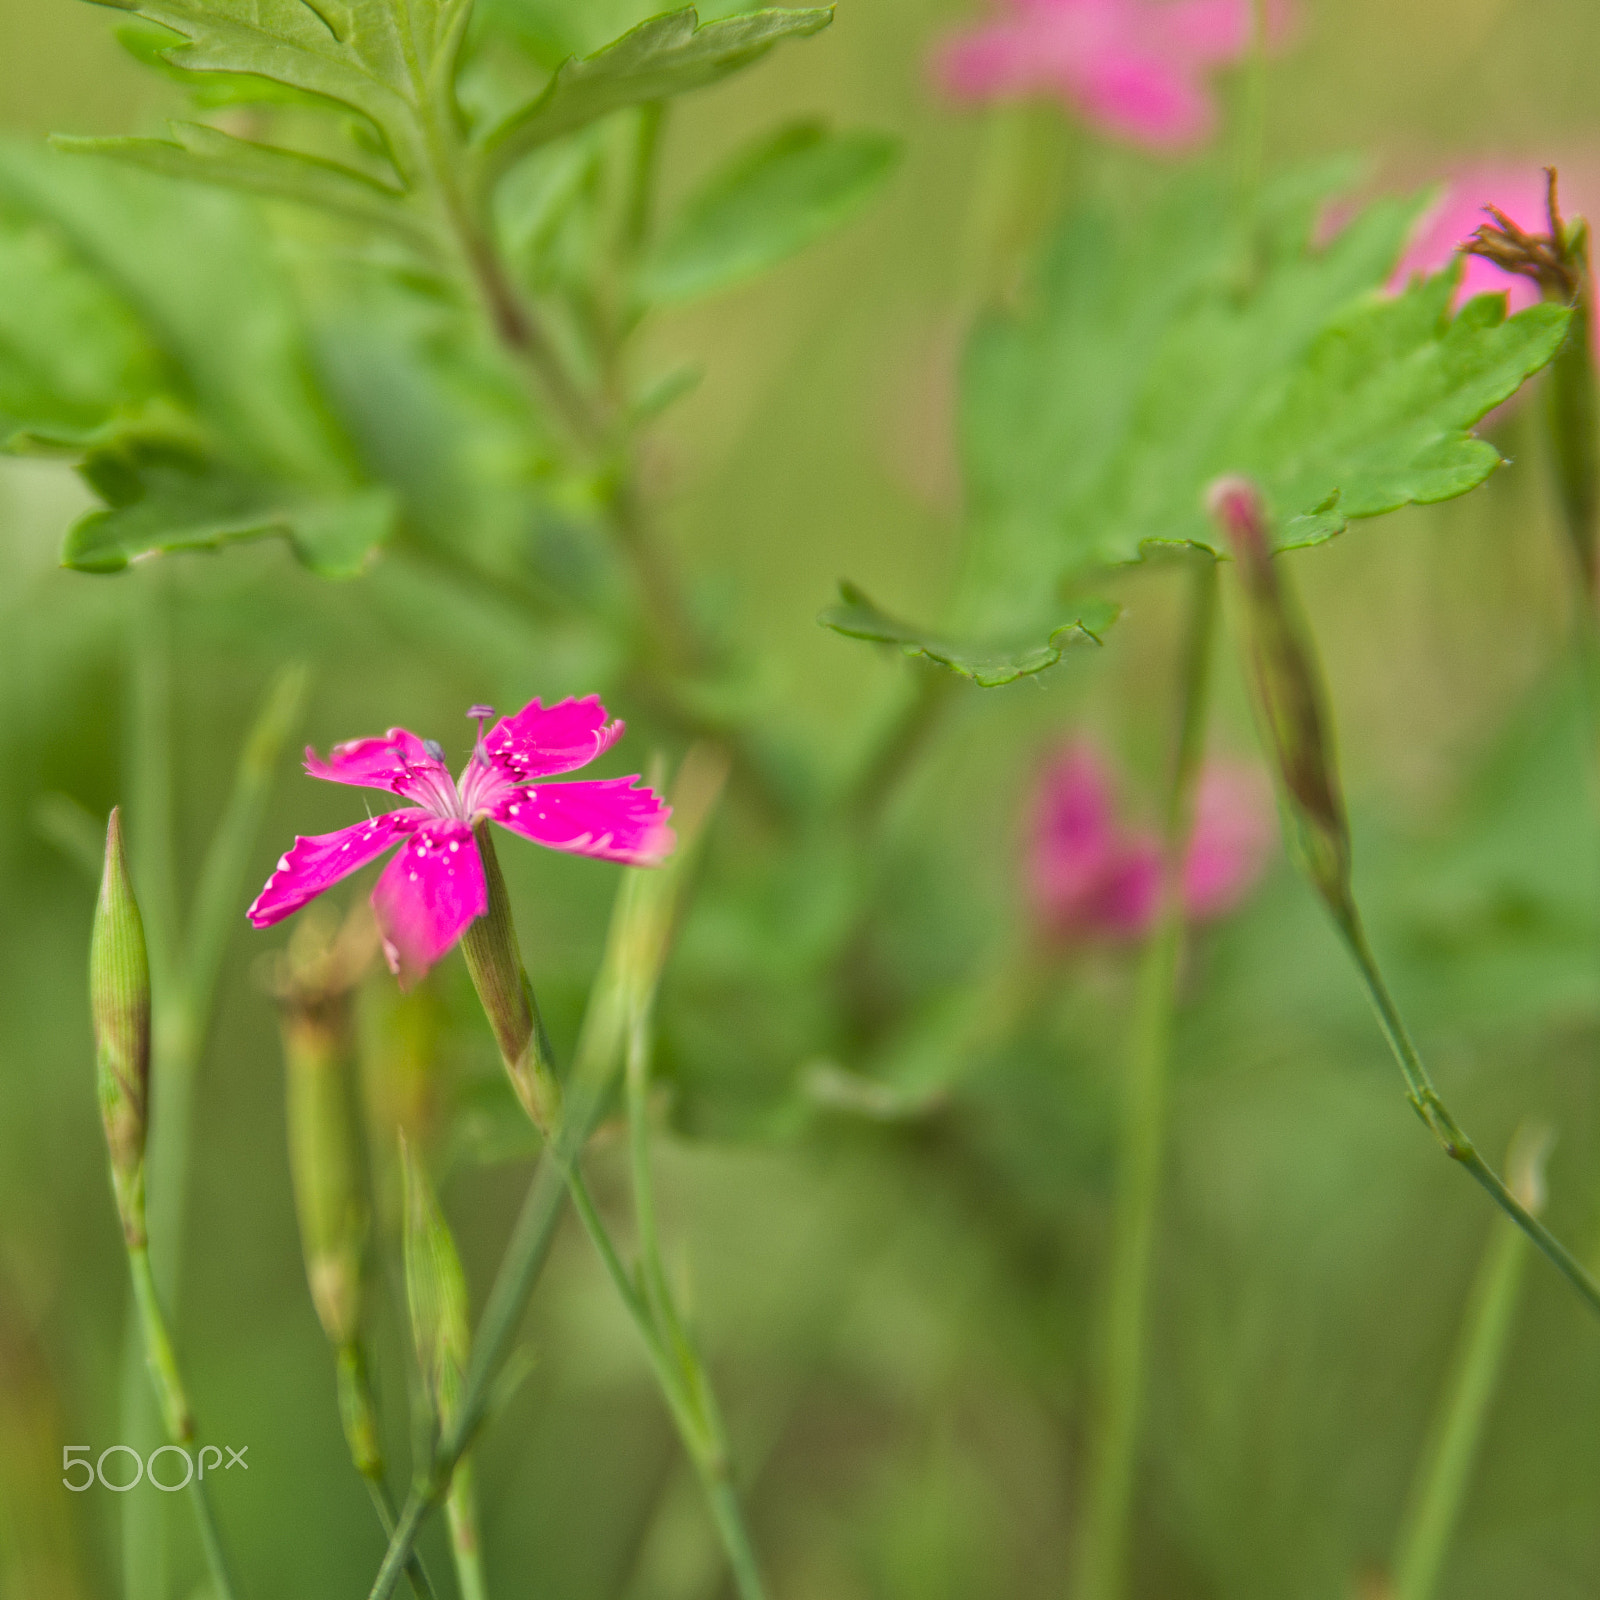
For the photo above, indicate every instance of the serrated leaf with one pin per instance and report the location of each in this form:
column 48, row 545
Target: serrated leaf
column 380, row 59
column 664, row 56
column 989, row 666
column 166, row 500
column 769, row 202
column 209, row 156
column 1154, row 360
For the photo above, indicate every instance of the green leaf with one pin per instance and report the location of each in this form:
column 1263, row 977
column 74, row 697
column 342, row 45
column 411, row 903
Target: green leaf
column 1152, row 360
column 208, row 156
column 771, row 201
column 391, row 63
column 1153, row 354
column 160, row 499
column 989, row 666
column 665, row 56
column 145, row 327
column 74, row 359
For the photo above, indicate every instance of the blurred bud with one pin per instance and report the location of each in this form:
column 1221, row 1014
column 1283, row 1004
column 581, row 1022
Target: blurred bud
column 119, row 1002
column 490, row 948
column 436, row 1291
column 314, row 980
column 1288, row 692
column 1525, row 1160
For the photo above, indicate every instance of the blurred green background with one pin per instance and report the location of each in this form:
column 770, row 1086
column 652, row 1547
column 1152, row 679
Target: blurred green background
column 898, row 1315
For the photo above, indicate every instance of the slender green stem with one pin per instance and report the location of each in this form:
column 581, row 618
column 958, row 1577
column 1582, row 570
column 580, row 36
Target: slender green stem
column 461, row 1513
column 704, row 1436
column 1100, row 1566
column 1252, row 145
column 635, row 950
column 167, row 1380
column 149, row 766
column 421, row 1583
column 1428, row 1105
column 1447, row 1466
column 735, row 1539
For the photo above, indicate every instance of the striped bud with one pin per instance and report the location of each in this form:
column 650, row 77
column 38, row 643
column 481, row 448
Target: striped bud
column 119, row 1003
column 314, row 982
column 1288, row 693
column 436, row 1290
column 490, row 948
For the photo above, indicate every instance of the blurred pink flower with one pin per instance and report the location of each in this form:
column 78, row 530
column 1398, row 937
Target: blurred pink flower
column 1133, row 68
column 1455, row 216
column 1090, row 878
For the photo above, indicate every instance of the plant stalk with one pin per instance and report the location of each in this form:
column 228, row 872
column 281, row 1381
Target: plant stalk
column 1435, row 1504
column 167, row 1381
column 1101, row 1556
column 1428, row 1105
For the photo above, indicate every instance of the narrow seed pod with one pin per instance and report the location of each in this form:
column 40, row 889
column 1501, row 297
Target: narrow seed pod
column 119, row 1003
column 490, row 948
column 1289, row 694
column 436, row 1290
column 314, row 982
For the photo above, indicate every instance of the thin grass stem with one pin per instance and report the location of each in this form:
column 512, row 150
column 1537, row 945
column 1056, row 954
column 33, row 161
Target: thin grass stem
column 1101, row 1559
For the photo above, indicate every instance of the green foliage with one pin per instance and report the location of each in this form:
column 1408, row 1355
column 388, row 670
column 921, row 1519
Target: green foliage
column 772, row 200
column 158, row 340
column 662, row 57
column 204, row 154
column 393, row 65
column 989, row 667
column 1150, row 358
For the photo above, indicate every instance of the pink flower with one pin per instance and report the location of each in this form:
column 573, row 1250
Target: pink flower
column 435, row 886
column 1134, row 68
column 1089, row 878
column 1518, row 191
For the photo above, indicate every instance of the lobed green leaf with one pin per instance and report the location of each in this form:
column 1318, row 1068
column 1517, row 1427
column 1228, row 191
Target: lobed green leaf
column 1152, row 357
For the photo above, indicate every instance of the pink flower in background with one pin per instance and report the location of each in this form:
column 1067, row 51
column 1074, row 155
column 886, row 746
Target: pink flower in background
column 435, row 886
column 1134, row 68
column 1090, row 878
column 1518, row 191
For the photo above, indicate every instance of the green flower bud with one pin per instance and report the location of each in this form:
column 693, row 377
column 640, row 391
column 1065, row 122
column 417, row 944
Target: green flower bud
column 1289, row 694
column 119, row 1003
column 314, row 981
column 436, row 1291
column 490, row 948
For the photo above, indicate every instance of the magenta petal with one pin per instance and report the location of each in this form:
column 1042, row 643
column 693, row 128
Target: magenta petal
column 1234, row 834
column 399, row 762
column 1127, row 899
column 1215, row 30
column 608, row 817
column 427, row 895
column 313, row 864
column 989, row 63
column 540, row 741
column 1072, row 838
column 1150, row 101
column 1456, row 216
